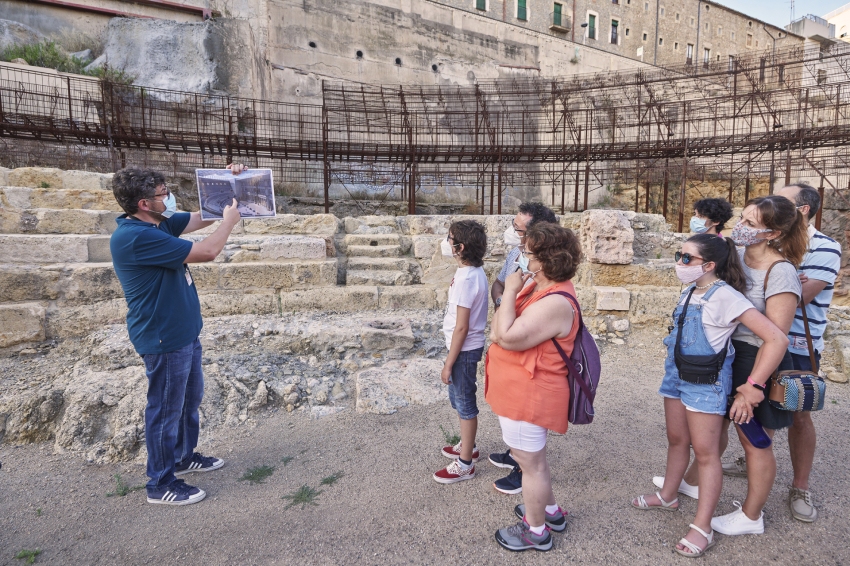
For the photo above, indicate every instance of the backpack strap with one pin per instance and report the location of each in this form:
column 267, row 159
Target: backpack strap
column 572, row 372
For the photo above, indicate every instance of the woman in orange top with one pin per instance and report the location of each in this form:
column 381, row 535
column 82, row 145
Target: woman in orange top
column 527, row 378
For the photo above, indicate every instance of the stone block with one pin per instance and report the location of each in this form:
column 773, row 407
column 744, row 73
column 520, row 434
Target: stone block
column 16, row 197
column 71, row 321
column 644, row 222
column 652, row 306
column 283, row 275
column 410, row 297
column 205, row 275
column 50, row 221
column 571, row 220
column 73, row 199
column 99, row 249
column 36, row 177
column 370, row 225
column 379, row 263
column 223, row 303
column 842, row 348
column 315, row 224
column 28, row 283
column 4, row 176
column 612, row 298
column 88, row 283
column 391, row 336
column 273, row 248
column 607, row 237
column 87, row 181
column 399, row 383
column 656, row 274
column 380, row 278
column 43, row 249
column 425, row 246
column 331, row 299
column 21, row 323
column 424, row 224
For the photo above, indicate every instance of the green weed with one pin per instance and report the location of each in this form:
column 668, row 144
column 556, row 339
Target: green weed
column 332, row 479
column 44, row 185
column 451, row 437
column 28, row 555
column 834, row 402
column 50, row 55
column 257, row 474
column 121, row 488
column 38, row 512
column 305, row 495
column 286, row 459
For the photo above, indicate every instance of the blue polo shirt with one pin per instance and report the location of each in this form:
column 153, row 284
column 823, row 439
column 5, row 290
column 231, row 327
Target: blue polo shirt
column 164, row 312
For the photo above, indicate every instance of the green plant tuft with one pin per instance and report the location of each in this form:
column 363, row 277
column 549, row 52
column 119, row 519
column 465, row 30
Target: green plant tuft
column 50, row 55
column 44, row 185
column 332, row 479
column 451, row 437
column 38, row 512
column 305, row 495
column 28, row 555
column 257, row 474
column 121, row 488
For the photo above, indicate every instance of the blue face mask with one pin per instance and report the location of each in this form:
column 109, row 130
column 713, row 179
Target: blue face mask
column 523, row 263
column 698, row 225
column 170, row 206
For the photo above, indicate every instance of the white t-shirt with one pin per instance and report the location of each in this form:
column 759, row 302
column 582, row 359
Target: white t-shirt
column 468, row 289
column 720, row 313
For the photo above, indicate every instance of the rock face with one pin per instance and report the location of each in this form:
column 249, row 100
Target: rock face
column 607, row 237
column 13, row 33
column 386, row 389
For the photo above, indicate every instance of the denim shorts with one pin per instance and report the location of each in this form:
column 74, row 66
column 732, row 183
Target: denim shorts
column 463, row 387
column 802, row 362
column 710, row 398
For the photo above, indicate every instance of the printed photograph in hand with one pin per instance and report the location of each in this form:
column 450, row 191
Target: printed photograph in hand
column 253, row 190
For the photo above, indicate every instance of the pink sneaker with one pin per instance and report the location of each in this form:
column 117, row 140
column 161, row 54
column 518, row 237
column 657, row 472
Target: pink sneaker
column 453, row 473
column 453, row 452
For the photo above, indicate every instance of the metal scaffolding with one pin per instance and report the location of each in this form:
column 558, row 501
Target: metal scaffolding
column 661, row 136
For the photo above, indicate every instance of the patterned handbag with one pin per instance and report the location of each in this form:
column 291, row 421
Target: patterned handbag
column 795, row 390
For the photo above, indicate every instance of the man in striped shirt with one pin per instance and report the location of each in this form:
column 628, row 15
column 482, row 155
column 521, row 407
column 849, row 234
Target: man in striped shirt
column 817, row 273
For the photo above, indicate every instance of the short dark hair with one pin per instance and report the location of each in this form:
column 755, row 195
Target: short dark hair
column 556, row 247
column 808, row 195
column 538, row 211
column 715, row 209
column 474, row 239
column 131, row 185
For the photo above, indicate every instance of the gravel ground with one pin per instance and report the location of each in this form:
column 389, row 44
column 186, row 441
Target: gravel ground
column 386, row 509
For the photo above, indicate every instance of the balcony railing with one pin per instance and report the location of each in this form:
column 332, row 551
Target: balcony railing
column 558, row 21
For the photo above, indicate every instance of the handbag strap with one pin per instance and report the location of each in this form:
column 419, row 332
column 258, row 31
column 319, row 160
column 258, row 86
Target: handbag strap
column 681, row 321
column 805, row 317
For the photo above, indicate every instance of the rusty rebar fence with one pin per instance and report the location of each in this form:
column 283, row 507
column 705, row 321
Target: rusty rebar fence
column 652, row 139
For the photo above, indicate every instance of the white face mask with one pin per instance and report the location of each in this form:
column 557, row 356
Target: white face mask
column 511, row 237
column 446, row 249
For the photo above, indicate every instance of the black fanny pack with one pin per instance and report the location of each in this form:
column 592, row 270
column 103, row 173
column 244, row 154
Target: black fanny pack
column 701, row 370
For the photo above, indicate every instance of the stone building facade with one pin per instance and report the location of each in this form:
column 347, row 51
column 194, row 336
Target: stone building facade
column 661, row 32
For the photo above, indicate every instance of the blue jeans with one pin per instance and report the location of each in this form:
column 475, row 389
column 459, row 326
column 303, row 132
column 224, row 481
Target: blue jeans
column 802, row 362
column 175, row 390
column 463, row 387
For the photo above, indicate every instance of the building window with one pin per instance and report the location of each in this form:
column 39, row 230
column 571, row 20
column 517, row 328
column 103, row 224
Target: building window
column 615, row 1
column 644, row 36
column 676, row 46
column 627, row 32
column 614, row 25
column 749, row 40
column 706, row 56
column 706, row 26
column 750, row 24
column 707, row 7
column 556, row 15
column 646, row 6
column 662, row 12
column 781, row 73
column 821, row 76
column 719, row 30
column 660, row 41
column 481, row 5
column 731, row 63
column 522, row 10
column 677, row 16
column 591, row 26
column 757, row 44
column 689, row 56
column 692, row 22
column 733, row 36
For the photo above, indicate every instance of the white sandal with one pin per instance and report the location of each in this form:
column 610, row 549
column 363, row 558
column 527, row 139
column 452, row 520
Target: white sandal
column 666, row 506
column 695, row 551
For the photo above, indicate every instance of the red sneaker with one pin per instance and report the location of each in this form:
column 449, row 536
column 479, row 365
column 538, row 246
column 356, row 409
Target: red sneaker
column 453, row 473
column 453, row 452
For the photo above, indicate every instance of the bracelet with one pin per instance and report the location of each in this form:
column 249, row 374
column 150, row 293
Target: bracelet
column 756, row 385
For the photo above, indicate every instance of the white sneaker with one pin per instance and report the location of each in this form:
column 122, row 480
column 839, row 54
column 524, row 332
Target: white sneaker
column 736, row 523
column 684, row 487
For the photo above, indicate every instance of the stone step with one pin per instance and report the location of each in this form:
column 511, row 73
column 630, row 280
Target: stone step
column 57, row 221
column 351, row 298
column 65, row 248
column 83, row 283
column 26, row 198
column 49, row 177
column 372, row 239
column 382, row 264
column 380, row 278
column 374, row 251
column 242, row 248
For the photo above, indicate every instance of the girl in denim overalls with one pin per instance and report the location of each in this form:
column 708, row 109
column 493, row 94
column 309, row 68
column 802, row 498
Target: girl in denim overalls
column 715, row 280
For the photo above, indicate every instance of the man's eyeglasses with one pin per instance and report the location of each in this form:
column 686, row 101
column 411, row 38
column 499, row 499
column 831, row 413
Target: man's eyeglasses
column 520, row 233
column 686, row 258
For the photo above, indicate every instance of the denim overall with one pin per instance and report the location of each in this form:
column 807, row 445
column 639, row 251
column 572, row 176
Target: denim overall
column 700, row 398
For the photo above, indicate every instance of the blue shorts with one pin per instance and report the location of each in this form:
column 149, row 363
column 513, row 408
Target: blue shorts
column 802, row 362
column 463, row 386
column 710, row 399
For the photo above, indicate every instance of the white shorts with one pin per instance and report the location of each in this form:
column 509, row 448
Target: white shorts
column 522, row 435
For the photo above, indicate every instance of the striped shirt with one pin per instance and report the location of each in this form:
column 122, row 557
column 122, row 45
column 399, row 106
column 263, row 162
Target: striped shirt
column 822, row 262
column 510, row 264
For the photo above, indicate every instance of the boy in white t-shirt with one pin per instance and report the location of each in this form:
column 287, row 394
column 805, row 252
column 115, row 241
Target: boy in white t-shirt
column 463, row 325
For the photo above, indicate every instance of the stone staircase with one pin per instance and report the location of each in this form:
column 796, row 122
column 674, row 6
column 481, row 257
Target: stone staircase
column 380, row 259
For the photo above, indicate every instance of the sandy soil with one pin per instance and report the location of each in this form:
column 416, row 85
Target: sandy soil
column 386, row 509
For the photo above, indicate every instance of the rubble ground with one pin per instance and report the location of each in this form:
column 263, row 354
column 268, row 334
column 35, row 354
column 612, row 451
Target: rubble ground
column 384, row 508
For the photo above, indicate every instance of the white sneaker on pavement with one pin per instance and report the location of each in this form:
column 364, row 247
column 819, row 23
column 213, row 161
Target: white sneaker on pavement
column 737, row 523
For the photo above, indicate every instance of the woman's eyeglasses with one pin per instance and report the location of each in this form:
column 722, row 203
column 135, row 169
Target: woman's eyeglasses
column 686, row 258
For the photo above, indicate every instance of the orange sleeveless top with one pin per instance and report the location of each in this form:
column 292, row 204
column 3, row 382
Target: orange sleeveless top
column 531, row 385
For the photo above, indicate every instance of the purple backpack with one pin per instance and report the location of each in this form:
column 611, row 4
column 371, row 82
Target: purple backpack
column 583, row 370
